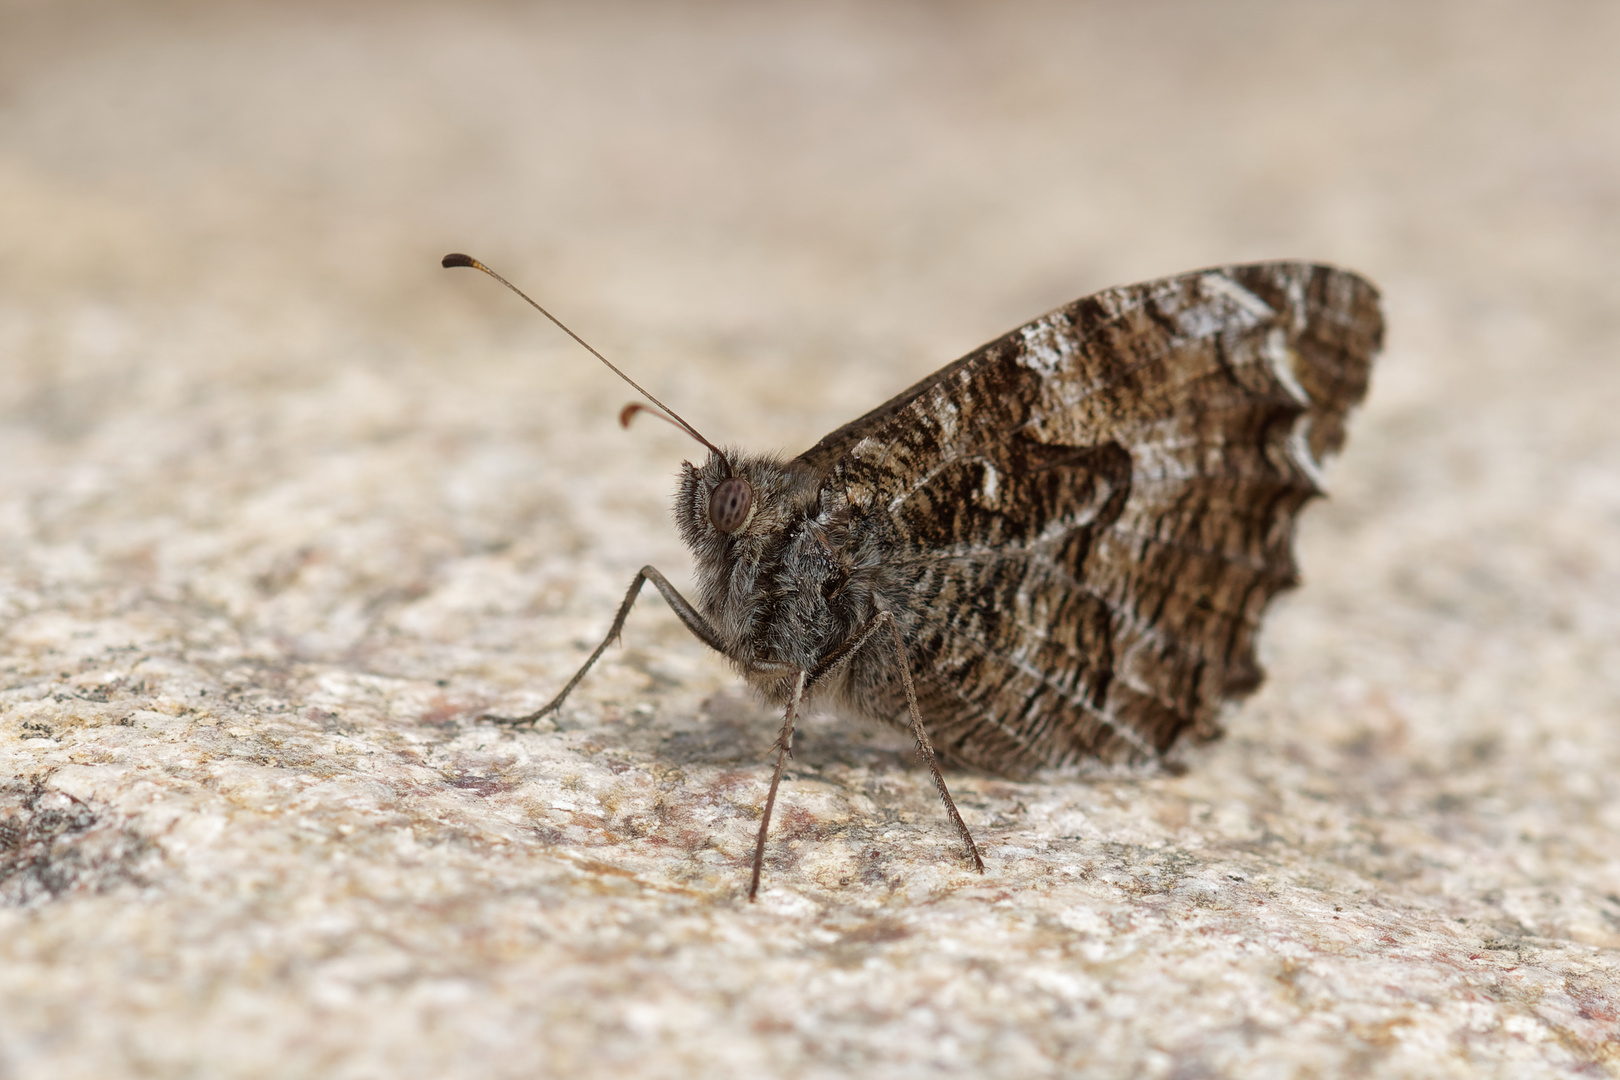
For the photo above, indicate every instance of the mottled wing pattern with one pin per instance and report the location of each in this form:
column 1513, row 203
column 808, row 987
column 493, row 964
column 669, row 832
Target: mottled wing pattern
column 1094, row 510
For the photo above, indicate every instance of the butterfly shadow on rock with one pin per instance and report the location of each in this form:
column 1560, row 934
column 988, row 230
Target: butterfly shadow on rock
column 734, row 728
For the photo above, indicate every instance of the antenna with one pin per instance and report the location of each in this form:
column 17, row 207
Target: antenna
column 629, row 412
column 455, row 259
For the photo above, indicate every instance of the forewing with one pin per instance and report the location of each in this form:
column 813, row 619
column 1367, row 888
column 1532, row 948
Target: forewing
column 1091, row 513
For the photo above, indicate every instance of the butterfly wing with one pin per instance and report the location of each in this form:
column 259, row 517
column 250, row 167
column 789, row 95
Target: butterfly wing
column 1089, row 515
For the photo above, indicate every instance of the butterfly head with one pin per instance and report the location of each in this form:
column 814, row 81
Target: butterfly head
column 737, row 499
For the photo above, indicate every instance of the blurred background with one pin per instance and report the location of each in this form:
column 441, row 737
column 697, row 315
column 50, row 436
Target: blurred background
column 257, row 447
column 220, row 227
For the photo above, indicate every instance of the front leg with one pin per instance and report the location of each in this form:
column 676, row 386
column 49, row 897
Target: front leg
column 840, row 657
column 689, row 615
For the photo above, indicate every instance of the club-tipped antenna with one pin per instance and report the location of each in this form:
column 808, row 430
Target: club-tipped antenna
column 455, row 259
column 636, row 408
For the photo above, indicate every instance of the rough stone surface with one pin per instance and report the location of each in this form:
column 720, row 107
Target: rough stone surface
column 283, row 507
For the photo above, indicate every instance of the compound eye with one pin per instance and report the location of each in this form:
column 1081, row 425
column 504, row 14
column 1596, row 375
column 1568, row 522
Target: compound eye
column 729, row 504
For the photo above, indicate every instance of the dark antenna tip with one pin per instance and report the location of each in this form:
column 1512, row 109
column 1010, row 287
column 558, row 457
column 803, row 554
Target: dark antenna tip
column 455, row 259
column 630, row 411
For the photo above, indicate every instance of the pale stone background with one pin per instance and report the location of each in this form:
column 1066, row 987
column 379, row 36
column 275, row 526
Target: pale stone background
column 283, row 506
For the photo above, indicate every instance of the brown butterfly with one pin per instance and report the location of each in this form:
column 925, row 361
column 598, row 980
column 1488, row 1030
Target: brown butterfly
column 1057, row 548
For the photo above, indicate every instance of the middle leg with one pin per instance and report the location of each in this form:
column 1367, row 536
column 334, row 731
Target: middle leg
column 784, row 750
column 840, row 657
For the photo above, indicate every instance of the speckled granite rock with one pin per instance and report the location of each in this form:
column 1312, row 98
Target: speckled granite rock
column 283, row 507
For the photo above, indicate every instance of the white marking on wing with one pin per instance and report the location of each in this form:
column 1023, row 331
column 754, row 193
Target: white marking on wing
column 1296, row 300
column 1047, row 345
column 948, row 416
column 1281, row 360
column 1214, row 285
column 990, row 486
column 1299, row 448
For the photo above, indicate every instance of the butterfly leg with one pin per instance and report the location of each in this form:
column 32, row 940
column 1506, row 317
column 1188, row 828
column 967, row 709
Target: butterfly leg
column 688, row 614
column 784, row 750
column 842, row 655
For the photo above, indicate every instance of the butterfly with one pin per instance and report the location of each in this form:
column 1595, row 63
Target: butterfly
column 1058, row 548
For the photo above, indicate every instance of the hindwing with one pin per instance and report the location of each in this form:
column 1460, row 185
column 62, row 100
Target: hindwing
column 1091, row 513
